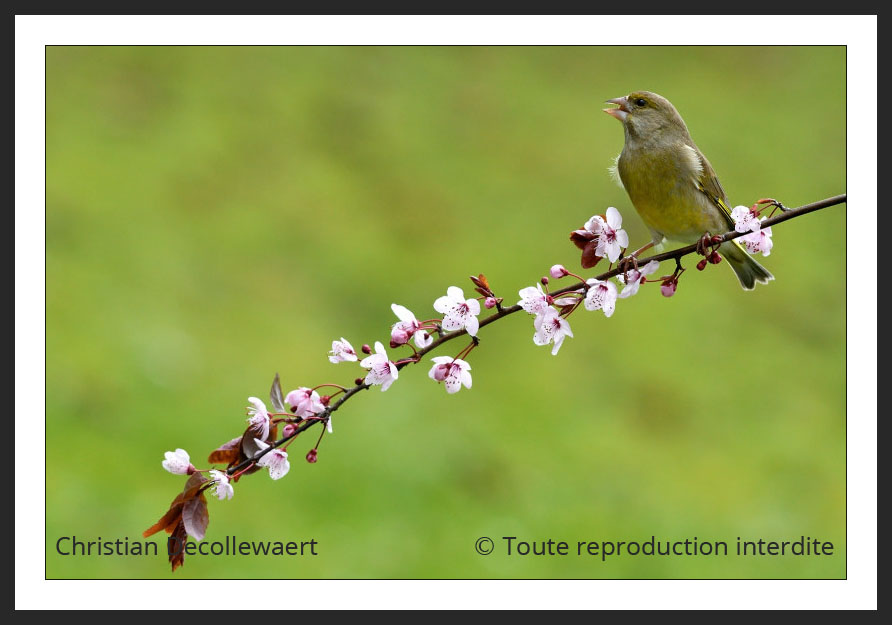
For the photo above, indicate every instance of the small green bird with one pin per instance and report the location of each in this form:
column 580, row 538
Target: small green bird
column 671, row 184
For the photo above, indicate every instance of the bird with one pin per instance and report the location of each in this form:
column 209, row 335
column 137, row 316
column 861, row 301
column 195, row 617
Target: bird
column 672, row 185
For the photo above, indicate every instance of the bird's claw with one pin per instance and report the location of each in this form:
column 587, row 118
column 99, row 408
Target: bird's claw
column 704, row 244
column 626, row 263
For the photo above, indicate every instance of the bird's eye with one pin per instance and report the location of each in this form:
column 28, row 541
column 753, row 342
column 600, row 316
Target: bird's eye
column 641, row 102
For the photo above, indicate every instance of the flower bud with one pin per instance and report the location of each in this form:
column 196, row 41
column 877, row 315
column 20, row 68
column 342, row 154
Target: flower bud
column 701, row 265
column 366, row 349
column 715, row 258
column 558, row 271
column 441, row 372
column 544, row 280
column 359, row 381
column 489, row 302
column 398, row 337
column 311, row 456
column 288, row 430
column 668, row 288
column 718, row 238
column 325, row 399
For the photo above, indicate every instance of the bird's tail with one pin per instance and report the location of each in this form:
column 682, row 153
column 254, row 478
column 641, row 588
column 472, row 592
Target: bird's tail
column 748, row 271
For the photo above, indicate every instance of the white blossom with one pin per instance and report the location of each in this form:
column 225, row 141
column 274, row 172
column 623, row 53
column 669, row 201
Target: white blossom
column 458, row 312
column 381, row 369
column 550, row 326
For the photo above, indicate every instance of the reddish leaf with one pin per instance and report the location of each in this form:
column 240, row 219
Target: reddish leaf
column 273, row 430
column 248, row 448
column 482, row 285
column 480, row 281
column 581, row 238
column 190, row 504
column 195, row 517
column 176, row 544
column 226, row 453
column 193, row 485
column 589, row 257
column 172, row 517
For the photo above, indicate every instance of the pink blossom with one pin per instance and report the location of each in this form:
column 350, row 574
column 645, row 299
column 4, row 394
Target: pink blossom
column 222, row 487
column 305, row 402
column 759, row 241
column 601, row 295
column 276, row 460
column 258, row 417
column 745, row 220
column 458, row 312
column 177, row 462
column 611, row 237
column 342, row 351
column 408, row 326
column 550, row 326
column 534, row 300
column 634, row 278
column 558, row 271
column 454, row 372
column 381, row 370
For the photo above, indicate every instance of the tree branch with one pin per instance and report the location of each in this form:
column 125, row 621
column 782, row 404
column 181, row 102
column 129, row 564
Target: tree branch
column 505, row 311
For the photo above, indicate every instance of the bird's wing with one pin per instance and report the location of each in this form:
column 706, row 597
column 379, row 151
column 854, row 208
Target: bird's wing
column 708, row 183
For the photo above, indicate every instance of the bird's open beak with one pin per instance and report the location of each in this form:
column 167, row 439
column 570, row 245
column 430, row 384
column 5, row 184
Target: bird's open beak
column 620, row 113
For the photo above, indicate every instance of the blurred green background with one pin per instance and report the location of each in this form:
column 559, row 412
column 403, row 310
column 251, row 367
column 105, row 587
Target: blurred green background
column 218, row 214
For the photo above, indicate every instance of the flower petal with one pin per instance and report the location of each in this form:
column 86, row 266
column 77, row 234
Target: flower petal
column 595, row 225
column 455, row 294
column 565, row 328
column 442, row 304
column 451, row 322
column 403, row 313
column 622, row 237
column 466, row 378
column 472, row 324
column 279, row 469
column 423, row 339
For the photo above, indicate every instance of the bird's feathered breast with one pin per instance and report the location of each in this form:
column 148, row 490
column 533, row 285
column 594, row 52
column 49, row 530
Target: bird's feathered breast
column 650, row 172
column 665, row 179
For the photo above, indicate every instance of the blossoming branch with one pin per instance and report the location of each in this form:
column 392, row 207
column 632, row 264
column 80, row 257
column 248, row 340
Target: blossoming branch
column 259, row 446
